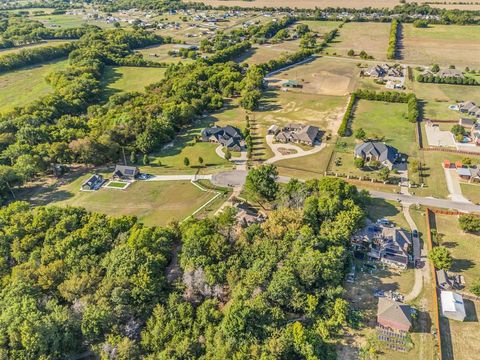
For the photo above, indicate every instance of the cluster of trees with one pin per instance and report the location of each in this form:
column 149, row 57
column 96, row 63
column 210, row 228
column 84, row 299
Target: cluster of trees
column 16, row 30
column 392, row 41
column 447, row 80
column 441, row 258
column 419, row 23
column 469, row 223
column 343, row 129
column 74, row 281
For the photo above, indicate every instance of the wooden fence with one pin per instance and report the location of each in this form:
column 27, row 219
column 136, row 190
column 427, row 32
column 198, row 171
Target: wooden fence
column 449, row 150
column 436, row 306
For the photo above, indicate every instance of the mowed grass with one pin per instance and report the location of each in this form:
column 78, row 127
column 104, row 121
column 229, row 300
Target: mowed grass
column 153, row 202
column 259, row 54
column 159, row 53
column 129, row 78
column 279, row 108
column 442, row 44
column 21, row 87
column 464, row 247
column 471, row 192
column 368, row 36
column 321, row 27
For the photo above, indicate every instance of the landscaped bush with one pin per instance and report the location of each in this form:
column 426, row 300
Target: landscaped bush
column 469, row 223
column 447, row 80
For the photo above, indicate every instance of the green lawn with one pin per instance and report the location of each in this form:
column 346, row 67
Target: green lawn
column 322, row 27
column 159, row 53
column 378, row 119
column 471, row 192
column 68, row 21
column 21, row 87
column 129, row 78
column 464, row 247
column 154, row 203
column 33, row 46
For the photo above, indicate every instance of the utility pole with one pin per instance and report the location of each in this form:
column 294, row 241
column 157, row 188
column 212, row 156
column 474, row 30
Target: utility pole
column 124, row 158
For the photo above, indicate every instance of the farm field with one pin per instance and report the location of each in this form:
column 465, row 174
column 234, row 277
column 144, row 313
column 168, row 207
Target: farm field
column 324, row 76
column 441, row 44
column 21, row 87
column 377, row 119
column 154, row 203
column 129, row 78
column 159, row 53
column 368, row 36
column 33, row 46
column 279, row 108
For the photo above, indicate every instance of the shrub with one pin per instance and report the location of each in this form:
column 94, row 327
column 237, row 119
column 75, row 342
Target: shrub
column 469, row 223
column 441, row 258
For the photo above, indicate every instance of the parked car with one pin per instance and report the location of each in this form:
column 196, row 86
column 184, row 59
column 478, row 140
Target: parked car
column 415, row 233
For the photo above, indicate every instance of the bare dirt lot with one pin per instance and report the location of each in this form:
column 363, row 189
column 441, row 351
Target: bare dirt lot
column 442, row 44
column 310, row 4
column 323, row 76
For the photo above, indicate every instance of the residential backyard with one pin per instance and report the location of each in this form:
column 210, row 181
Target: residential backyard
column 159, row 53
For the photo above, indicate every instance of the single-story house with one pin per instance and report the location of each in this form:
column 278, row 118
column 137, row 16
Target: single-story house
column 394, row 315
column 453, row 306
column 228, row 136
column 94, row 182
column 292, row 84
column 376, row 150
column 466, row 106
column 297, row 133
column 376, row 71
column 464, row 173
column 451, row 73
column 443, row 280
column 125, row 172
column 466, row 123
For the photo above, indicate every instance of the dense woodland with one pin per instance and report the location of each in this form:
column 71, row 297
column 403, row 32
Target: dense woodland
column 73, row 281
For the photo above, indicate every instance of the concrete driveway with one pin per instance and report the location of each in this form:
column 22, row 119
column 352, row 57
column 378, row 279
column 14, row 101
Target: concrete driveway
column 453, row 186
column 299, row 151
column 239, row 161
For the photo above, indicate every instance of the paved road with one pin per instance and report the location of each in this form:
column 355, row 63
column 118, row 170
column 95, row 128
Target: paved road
column 179, row 177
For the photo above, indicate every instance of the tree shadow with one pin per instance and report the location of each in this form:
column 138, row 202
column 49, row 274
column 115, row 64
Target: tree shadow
column 460, row 265
column 110, row 76
column 449, row 244
column 470, row 310
column 379, row 208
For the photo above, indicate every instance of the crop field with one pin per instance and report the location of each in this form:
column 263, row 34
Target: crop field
column 129, row 78
column 368, row 36
column 154, row 202
column 263, row 53
column 159, row 53
column 323, row 76
column 442, row 44
column 21, row 87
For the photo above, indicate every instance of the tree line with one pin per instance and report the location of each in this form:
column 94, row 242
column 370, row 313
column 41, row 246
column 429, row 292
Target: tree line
column 392, row 41
column 75, row 282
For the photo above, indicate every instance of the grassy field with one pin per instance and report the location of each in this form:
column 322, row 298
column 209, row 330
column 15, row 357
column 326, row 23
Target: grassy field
column 129, row 78
column 442, row 44
column 280, row 108
column 21, row 87
column 370, row 37
column 321, row 27
column 323, row 76
column 377, row 119
column 159, row 53
column 32, row 46
column 464, row 247
column 154, row 203
column 68, row 21
column 471, row 192
column 264, row 53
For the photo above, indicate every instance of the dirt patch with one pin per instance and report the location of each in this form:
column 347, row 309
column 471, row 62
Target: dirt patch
column 285, row 151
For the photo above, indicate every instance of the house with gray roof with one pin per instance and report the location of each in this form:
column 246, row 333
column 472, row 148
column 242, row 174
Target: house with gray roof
column 451, row 73
column 466, row 106
column 394, row 315
column 391, row 246
column 296, row 133
column 378, row 151
column 125, row 172
column 227, row 136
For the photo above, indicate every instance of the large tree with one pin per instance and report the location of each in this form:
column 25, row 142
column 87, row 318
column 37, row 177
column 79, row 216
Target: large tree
column 261, row 184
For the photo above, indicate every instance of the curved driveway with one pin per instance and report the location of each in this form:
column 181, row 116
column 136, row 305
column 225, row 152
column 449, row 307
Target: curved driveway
column 299, row 151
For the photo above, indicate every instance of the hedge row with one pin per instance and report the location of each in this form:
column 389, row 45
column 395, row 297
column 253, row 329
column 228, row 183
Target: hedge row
column 392, row 42
column 447, row 80
column 342, row 130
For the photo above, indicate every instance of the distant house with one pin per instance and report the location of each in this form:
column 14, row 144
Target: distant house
column 443, row 280
column 296, row 133
column 451, row 73
column 394, row 315
column 125, row 172
column 385, row 71
column 466, row 106
column 466, row 123
column 376, row 71
column 273, row 130
column 228, row 136
column 94, row 182
column 378, row 151
column 292, row 84
column 453, row 306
